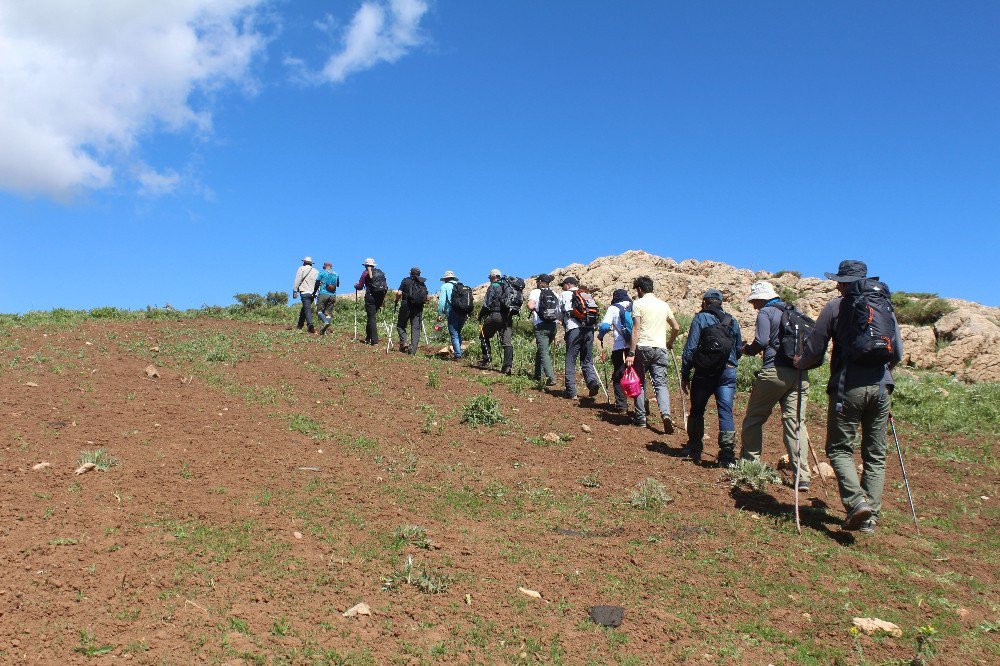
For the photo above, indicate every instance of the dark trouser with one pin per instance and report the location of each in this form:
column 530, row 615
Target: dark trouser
column 723, row 387
column 545, row 335
column 414, row 317
column 372, row 304
column 306, row 312
column 493, row 324
column 456, row 320
column 580, row 343
column 866, row 407
column 618, row 365
column 324, row 304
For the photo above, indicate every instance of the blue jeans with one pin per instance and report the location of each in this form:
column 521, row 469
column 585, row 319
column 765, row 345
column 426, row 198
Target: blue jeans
column 652, row 360
column 723, row 387
column 456, row 320
column 580, row 344
column 306, row 312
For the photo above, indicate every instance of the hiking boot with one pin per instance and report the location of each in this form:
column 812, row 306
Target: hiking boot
column 803, row 486
column 668, row 425
column 726, row 459
column 861, row 512
column 687, row 451
column 727, row 448
column 868, row 526
column 550, row 382
column 639, row 422
column 507, row 371
column 569, row 396
column 312, row 329
column 593, row 390
column 326, row 327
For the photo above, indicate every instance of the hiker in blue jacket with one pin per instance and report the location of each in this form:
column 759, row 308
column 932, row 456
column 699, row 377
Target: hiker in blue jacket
column 713, row 375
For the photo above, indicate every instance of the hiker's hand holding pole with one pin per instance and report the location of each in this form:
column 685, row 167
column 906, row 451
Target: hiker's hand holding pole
column 686, row 386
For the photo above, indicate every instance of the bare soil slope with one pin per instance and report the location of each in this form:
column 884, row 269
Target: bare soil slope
column 264, row 476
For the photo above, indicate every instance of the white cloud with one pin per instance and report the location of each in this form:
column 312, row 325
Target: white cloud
column 154, row 183
column 81, row 81
column 379, row 32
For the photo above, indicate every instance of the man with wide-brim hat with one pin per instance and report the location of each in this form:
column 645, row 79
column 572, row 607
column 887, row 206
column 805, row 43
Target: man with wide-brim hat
column 374, row 282
column 304, row 287
column 859, row 391
column 776, row 383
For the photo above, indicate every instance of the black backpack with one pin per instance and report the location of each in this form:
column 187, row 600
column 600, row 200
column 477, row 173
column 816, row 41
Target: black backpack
column 866, row 323
column 547, row 306
column 416, row 293
column 377, row 283
column 511, row 295
column 461, row 298
column 795, row 328
column 715, row 344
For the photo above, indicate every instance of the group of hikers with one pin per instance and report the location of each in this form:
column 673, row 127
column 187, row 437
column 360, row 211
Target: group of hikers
column 860, row 323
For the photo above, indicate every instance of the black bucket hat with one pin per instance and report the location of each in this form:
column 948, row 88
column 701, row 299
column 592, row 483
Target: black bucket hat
column 850, row 270
column 619, row 296
column 545, row 277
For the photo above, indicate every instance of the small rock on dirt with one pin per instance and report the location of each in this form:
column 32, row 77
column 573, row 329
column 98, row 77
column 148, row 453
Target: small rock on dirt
column 584, row 427
column 152, row 372
column 32, row 384
column 873, row 625
column 607, row 616
column 41, row 465
column 534, row 594
column 297, row 535
column 551, row 437
column 86, row 467
column 358, row 609
column 826, row 471
column 784, row 462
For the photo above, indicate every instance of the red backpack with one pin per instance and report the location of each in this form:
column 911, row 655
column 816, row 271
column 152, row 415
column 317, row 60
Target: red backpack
column 584, row 308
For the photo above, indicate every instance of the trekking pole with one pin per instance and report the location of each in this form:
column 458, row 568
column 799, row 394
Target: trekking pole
column 604, row 364
column 677, row 373
column 798, row 436
column 906, row 483
column 423, row 327
column 355, row 315
column 388, row 333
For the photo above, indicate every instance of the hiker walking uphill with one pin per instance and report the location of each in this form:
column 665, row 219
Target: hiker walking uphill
column 413, row 294
column 779, row 332
column 580, row 320
column 304, row 286
column 546, row 311
column 713, row 352
column 866, row 347
column 373, row 282
column 454, row 306
column 618, row 320
column 648, row 349
column 503, row 298
column 327, row 290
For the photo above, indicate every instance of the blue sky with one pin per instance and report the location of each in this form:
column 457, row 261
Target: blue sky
column 183, row 155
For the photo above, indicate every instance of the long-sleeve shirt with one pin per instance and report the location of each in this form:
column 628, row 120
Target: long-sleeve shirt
column 613, row 322
column 701, row 321
column 444, row 299
column 855, row 374
column 767, row 336
column 362, row 282
column 305, row 280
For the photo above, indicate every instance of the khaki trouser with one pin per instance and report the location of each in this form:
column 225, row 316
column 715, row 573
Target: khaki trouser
column 867, row 407
column 777, row 385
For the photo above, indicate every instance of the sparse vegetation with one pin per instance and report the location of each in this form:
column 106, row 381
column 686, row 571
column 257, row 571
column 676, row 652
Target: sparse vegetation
column 786, row 272
column 425, row 580
column 412, row 535
column 649, row 494
column 919, row 308
column 483, row 410
column 752, row 475
column 101, row 459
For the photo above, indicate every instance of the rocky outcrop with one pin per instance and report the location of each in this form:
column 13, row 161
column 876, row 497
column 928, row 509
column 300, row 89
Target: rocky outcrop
column 965, row 342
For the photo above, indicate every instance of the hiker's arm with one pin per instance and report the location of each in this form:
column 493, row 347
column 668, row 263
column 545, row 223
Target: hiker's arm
column 636, row 330
column 814, row 346
column 362, row 281
column 694, row 334
column 762, row 336
column 897, row 345
column 675, row 328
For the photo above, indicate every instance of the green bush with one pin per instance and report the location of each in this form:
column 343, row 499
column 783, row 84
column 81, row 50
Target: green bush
column 788, row 295
column 276, row 298
column 482, row 410
column 752, row 475
column 784, row 272
column 919, row 308
column 250, row 301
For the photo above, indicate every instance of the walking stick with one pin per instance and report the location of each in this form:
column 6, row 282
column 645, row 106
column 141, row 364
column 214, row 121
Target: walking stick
column 604, row 364
column 798, row 448
column 355, row 315
column 677, row 373
column 388, row 333
column 906, row 482
column 423, row 327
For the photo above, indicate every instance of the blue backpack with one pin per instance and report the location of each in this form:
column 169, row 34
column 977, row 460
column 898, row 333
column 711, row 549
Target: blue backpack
column 625, row 317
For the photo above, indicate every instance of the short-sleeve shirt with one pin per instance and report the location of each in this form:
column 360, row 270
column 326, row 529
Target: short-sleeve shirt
column 613, row 317
column 533, row 297
column 654, row 314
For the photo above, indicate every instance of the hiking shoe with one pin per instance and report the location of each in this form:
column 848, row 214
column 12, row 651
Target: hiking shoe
column 507, row 371
column 868, row 526
column 803, row 486
column 640, row 422
column 550, row 382
column 726, row 459
column 569, row 396
column 594, row 389
column 861, row 512
column 326, row 327
column 668, row 425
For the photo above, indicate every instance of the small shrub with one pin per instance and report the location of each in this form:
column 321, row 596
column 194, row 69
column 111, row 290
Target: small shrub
column 784, row 272
column 483, row 410
column 428, row 582
column 918, row 308
column 307, row 426
column 411, row 534
column 250, row 301
column 752, row 474
column 650, row 494
column 433, row 381
column 788, row 295
column 100, row 457
column 276, row 298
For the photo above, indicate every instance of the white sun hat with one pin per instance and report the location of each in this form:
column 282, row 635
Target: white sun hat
column 762, row 291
